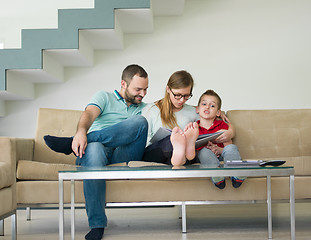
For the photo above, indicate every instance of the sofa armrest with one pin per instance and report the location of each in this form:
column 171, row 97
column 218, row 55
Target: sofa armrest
column 8, row 154
column 14, row 149
column 24, row 149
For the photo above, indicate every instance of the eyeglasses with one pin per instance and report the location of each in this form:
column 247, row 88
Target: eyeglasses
column 179, row 96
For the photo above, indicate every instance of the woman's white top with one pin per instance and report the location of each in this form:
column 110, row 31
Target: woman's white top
column 152, row 113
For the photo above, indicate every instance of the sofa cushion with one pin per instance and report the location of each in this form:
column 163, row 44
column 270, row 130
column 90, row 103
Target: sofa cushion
column 165, row 190
column 30, row 170
column 6, row 176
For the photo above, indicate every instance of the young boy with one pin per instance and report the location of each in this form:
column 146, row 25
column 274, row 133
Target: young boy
column 209, row 110
column 184, row 141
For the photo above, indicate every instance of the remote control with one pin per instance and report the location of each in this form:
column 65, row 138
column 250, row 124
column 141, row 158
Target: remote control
column 272, row 163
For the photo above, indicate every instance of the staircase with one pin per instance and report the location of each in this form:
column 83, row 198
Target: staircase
column 44, row 53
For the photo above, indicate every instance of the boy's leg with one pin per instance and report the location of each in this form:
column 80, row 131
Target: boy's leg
column 231, row 152
column 95, row 190
column 208, row 158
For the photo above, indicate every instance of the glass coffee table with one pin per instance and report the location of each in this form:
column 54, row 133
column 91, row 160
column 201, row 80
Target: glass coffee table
column 167, row 172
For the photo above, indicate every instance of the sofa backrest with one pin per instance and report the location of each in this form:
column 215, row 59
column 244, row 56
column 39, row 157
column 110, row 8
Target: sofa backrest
column 260, row 134
column 274, row 134
column 56, row 122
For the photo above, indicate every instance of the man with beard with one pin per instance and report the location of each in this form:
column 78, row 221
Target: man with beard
column 100, row 138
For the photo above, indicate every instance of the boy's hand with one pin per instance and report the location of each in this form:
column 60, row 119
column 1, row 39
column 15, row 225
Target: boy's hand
column 214, row 148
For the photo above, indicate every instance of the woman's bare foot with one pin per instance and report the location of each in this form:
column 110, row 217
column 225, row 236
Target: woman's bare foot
column 178, row 140
column 191, row 132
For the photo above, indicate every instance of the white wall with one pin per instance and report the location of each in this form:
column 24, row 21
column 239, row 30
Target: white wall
column 22, row 14
column 255, row 53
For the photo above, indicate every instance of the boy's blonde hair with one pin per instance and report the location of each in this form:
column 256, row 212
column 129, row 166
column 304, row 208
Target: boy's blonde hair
column 211, row 93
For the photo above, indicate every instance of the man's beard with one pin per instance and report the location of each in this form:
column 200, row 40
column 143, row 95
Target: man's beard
column 131, row 98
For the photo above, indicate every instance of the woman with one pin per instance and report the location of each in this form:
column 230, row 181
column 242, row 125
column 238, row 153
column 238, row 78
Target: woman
column 172, row 112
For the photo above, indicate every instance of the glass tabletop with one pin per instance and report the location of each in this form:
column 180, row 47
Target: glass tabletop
column 169, row 168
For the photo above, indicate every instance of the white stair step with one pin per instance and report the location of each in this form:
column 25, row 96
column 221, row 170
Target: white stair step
column 2, row 108
column 167, row 7
column 135, row 20
column 18, row 89
column 82, row 57
column 105, row 38
column 52, row 71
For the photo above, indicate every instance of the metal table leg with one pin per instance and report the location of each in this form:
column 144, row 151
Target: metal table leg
column 14, row 226
column 61, row 208
column 292, row 206
column 2, row 227
column 269, row 207
column 72, row 209
column 183, row 217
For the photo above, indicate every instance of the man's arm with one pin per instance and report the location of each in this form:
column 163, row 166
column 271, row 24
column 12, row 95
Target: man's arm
column 80, row 140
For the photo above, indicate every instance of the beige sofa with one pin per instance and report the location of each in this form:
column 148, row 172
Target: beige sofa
column 8, row 183
column 260, row 134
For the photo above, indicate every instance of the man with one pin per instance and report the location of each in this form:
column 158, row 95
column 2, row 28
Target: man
column 109, row 131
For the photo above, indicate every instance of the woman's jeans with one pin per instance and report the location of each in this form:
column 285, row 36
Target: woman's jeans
column 122, row 142
column 161, row 152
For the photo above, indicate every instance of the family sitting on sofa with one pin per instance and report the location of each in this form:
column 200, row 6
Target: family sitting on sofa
column 100, row 138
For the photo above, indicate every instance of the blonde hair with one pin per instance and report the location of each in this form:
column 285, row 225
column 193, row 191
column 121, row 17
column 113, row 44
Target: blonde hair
column 178, row 80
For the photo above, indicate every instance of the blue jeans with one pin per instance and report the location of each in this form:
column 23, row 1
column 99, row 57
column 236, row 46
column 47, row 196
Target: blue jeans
column 122, row 142
column 209, row 159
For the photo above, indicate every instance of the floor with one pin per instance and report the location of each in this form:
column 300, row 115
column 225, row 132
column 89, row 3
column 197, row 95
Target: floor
column 217, row 222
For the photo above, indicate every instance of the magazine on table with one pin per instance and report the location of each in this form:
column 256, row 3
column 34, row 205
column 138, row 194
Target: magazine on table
column 201, row 141
column 253, row 163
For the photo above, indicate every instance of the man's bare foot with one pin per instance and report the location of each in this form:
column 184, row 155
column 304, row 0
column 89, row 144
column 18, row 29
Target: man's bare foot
column 191, row 132
column 178, row 140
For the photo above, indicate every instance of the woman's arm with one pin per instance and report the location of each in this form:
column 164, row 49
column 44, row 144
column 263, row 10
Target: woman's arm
column 224, row 117
column 227, row 136
column 152, row 114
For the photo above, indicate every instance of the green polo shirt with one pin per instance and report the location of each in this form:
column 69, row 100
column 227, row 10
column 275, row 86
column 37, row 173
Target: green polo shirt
column 113, row 109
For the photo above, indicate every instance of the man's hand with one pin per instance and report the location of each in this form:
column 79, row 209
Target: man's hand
column 80, row 139
column 79, row 144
